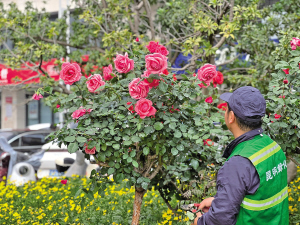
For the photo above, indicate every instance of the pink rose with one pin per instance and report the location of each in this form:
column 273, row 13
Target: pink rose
column 286, row 71
column 285, row 81
column 156, row 63
column 89, row 151
column 209, row 100
column 70, row 73
column 146, row 74
column 137, row 39
column 107, row 71
column 123, row 64
column 207, row 73
column 94, row 82
column 152, row 46
column 64, row 181
column 37, row 96
column 162, row 50
column 138, row 91
column 57, row 106
column 295, row 43
column 78, row 113
column 144, row 108
column 154, row 83
column 219, row 79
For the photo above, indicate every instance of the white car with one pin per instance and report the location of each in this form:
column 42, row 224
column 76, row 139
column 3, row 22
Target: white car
column 52, row 153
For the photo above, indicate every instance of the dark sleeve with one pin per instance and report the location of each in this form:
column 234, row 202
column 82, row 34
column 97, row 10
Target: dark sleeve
column 235, row 179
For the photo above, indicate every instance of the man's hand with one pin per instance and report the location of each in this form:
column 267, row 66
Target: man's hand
column 205, row 204
column 198, row 214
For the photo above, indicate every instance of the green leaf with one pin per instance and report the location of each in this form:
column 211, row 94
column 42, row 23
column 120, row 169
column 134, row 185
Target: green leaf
column 135, row 164
column 110, row 171
column 172, row 126
column 73, row 147
column 174, row 151
column 146, row 150
column 158, row 126
column 163, row 86
column 195, row 164
column 145, row 185
column 177, row 134
column 116, row 146
column 81, row 139
column 70, row 139
column 180, row 147
column 135, row 139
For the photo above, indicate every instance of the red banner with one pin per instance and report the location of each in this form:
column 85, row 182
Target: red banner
column 9, row 76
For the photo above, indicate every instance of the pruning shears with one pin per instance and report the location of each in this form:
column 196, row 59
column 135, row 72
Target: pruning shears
column 192, row 208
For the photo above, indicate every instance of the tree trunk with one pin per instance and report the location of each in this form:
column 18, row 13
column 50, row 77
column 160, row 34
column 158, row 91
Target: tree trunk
column 138, row 200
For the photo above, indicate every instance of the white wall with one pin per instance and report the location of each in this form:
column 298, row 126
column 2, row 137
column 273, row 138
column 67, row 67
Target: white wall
column 13, row 109
column 50, row 6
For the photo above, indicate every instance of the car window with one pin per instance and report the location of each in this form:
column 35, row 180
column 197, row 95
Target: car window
column 33, row 139
column 15, row 143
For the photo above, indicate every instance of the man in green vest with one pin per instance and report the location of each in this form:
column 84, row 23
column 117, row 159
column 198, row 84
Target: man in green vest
column 252, row 183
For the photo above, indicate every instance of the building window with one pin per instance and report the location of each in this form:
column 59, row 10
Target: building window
column 37, row 112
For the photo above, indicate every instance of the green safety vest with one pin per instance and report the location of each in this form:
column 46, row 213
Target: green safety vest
column 269, row 204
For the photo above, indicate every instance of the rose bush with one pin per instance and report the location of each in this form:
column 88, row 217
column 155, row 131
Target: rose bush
column 283, row 105
column 148, row 129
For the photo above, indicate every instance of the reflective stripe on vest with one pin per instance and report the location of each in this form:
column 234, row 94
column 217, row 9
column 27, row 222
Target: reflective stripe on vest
column 265, row 153
column 257, row 205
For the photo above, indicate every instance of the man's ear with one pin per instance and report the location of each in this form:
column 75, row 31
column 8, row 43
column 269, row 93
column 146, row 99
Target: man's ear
column 231, row 118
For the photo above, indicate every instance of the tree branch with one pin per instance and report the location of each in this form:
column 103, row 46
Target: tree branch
column 233, row 69
column 149, row 14
column 167, row 202
column 155, row 172
column 228, row 61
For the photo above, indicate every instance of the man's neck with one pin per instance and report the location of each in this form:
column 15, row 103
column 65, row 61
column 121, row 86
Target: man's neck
column 238, row 132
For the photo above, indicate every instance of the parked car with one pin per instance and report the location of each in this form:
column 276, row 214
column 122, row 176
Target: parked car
column 26, row 141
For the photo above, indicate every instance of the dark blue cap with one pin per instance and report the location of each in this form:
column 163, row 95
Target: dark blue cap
column 246, row 102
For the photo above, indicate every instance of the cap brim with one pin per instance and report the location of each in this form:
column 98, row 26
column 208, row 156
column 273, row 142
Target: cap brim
column 226, row 96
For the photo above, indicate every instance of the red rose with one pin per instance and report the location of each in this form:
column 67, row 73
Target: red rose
column 37, row 96
column 137, row 39
column 162, row 50
column 174, row 77
column 223, row 106
column 207, row 73
column 89, row 151
column 282, row 96
column 130, row 107
column 286, row 71
column 152, row 46
column 209, row 100
column 219, row 79
column 208, row 142
column 156, row 63
column 64, row 181
column 94, row 82
column 285, row 81
column 144, row 108
column 138, row 91
column 70, row 73
column 107, row 71
column 165, row 72
column 277, row 116
column 194, row 75
column 123, row 64
column 57, row 106
column 154, row 83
